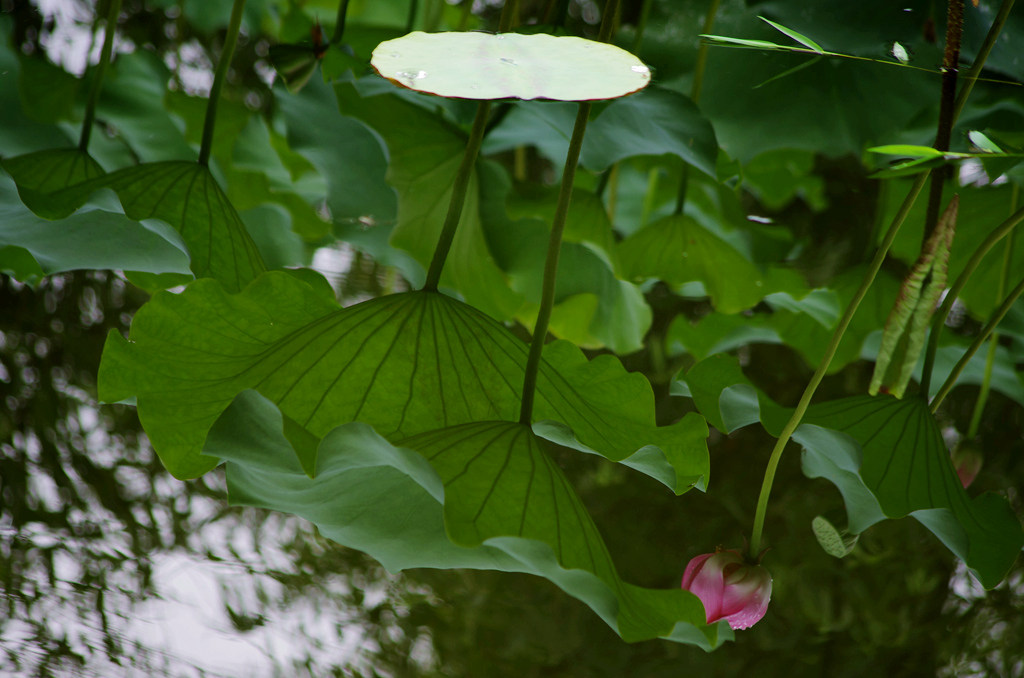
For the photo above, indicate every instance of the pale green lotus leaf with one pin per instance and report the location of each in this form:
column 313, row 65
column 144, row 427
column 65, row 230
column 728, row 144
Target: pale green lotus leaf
column 473, row 65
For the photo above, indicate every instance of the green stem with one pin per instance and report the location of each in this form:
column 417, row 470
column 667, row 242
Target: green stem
column 109, row 29
column 641, row 25
column 508, row 15
column 986, row 383
column 684, row 183
column 561, row 10
column 410, row 19
column 609, row 20
column 467, row 11
column 979, row 62
column 702, row 52
column 826, row 360
column 975, row 345
column 940, row 316
column 339, row 24
column 695, row 90
column 230, row 40
column 547, row 299
column 458, row 199
column 990, row 359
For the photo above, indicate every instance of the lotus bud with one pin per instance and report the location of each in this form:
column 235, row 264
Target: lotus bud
column 729, row 587
column 967, row 461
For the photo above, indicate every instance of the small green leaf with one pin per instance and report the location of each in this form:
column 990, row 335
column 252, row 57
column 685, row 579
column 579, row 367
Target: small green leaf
column 900, row 52
column 484, row 495
column 756, row 44
column 835, row 542
column 907, row 150
column 983, row 142
column 802, row 39
column 477, row 65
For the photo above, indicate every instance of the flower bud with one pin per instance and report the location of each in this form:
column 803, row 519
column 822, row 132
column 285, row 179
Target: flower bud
column 730, row 588
column 967, row 462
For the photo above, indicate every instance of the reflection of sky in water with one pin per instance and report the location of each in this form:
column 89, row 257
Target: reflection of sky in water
column 179, row 622
column 108, row 566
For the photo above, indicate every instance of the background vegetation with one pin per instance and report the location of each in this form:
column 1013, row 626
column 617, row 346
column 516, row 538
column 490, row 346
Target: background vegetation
column 786, row 210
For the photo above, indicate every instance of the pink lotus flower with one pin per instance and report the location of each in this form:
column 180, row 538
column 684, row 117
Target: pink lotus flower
column 730, row 588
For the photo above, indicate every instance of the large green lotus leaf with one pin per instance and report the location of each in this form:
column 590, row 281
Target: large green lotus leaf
column 593, row 308
column 477, row 65
column 20, row 130
column 828, row 106
column 678, row 250
column 483, row 495
column 886, row 456
column 860, row 28
column 43, row 172
column 905, row 464
column 188, row 198
column 720, row 332
column 132, row 107
column 91, row 238
column 353, row 161
column 810, row 337
column 47, row 91
column 404, row 364
column 425, row 153
column 344, row 151
column 653, row 122
column 255, row 166
column 727, row 399
column 209, row 16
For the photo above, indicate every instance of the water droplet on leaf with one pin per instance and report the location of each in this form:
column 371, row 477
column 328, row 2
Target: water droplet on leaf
column 411, row 75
